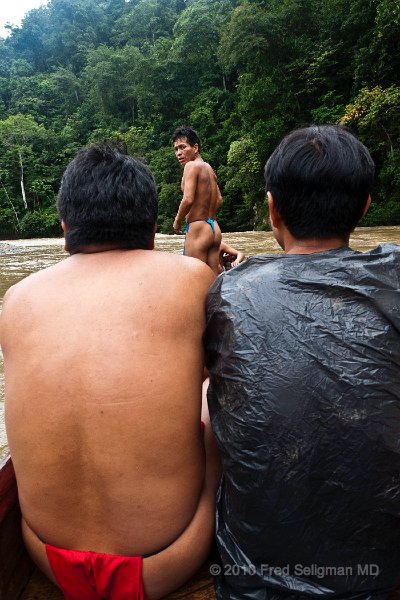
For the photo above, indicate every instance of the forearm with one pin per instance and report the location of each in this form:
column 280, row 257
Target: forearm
column 184, row 208
column 189, row 186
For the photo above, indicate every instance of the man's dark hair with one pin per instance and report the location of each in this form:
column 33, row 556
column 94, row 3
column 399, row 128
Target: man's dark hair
column 107, row 197
column 184, row 131
column 320, row 179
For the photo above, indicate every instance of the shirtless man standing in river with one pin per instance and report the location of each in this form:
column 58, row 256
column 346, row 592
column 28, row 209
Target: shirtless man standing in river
column 201, row 200
column 102, row 405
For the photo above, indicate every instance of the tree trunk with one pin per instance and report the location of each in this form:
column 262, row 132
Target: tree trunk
column 22, row 180
column 12, row 205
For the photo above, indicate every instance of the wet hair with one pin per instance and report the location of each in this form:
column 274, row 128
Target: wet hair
column 184, row 131
column 107, row 197
column 320, row 179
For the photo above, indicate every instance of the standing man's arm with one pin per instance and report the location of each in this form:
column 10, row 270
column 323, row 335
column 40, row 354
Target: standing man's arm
column 190, row 175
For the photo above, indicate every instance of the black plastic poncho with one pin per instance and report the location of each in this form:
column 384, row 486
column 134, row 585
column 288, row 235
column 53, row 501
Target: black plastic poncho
column 304, row 359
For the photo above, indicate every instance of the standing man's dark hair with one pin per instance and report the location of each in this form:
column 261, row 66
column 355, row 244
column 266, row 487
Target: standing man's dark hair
column 184, row 131
column 320, row 179
column 107, row 197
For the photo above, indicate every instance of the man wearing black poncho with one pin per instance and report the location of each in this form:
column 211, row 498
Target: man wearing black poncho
column 303, row 351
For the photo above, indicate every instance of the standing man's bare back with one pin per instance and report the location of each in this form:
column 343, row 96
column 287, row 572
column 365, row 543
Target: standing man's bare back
column 215, row 205
column 103, row 421
column 201, row 199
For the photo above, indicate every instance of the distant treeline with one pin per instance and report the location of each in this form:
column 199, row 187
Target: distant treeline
column 241, row 72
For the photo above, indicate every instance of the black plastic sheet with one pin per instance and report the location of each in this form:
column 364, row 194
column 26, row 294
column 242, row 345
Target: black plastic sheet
column 304, row 359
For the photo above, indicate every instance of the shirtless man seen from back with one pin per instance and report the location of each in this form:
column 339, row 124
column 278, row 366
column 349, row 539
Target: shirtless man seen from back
column 200, row 202
column 102, row 404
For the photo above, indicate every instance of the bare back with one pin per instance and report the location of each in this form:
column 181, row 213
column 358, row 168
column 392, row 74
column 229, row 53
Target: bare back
column 197, row 183
column 216, row 198
column 200, row 189
column 101, row 339
column 215, row 204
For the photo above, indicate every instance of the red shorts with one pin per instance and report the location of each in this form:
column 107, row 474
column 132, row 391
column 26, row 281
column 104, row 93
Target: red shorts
column 94, row 576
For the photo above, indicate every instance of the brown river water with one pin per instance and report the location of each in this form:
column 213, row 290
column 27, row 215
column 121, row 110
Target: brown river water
column 23, row 257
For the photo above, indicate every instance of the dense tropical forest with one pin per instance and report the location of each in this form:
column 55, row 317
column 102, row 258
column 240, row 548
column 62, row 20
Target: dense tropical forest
column 242, row 72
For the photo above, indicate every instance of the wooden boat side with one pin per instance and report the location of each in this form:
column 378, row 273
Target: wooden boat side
column 16, row 566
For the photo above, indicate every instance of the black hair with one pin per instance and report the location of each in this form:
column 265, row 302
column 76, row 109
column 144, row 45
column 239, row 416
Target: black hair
column 320, row 179
column 107, row 197
column 184, row 131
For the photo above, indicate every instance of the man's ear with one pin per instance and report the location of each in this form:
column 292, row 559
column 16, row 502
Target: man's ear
column 367, row 205
column 274, row 216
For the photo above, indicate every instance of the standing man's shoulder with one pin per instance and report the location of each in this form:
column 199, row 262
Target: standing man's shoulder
column 192, row 167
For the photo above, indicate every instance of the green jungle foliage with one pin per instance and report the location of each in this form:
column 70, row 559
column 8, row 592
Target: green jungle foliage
column 242, row 72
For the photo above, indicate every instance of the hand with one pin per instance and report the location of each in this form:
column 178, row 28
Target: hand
column 239, row 258
column 177, row 225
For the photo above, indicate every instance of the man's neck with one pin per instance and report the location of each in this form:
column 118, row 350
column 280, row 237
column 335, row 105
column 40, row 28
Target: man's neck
column 309, row 246
column 95, row 248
